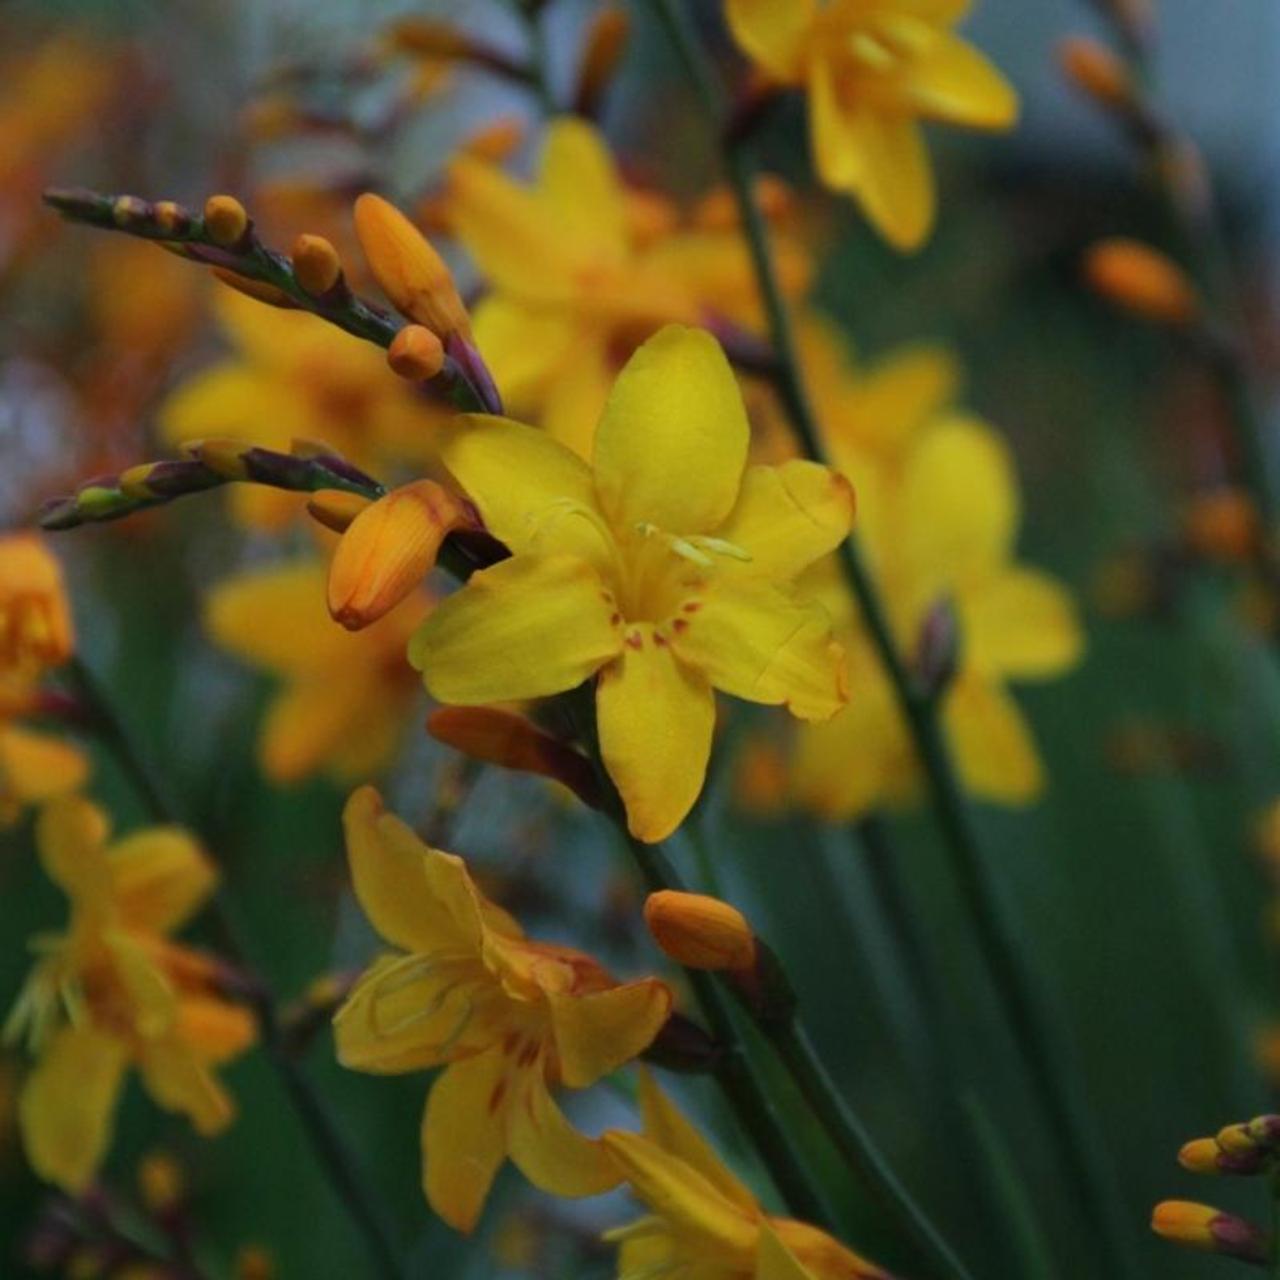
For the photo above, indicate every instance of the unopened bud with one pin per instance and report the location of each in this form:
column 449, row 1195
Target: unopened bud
column 408, row 269
column 606, row 39
column 496, row 141
column 1096, row 71
column 1236, row 1139
column 161, row 1183
column 1142, row 280
column 226, row 220
column 388, row 549
column 170, row 217
column 1200, row 1226
column 335, row 508
column 316, row 264
column 700, row 932
column 937, row 653
column 258, row 290
column 416, row 353
column 512, row 742
column 1223, row 525
column 223, row 457
column 130, row 211
column 1210, row 1155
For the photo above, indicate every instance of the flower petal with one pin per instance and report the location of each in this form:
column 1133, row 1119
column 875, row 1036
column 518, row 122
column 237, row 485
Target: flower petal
column 757, row 642
column 464, row 1140
column 71, row 835
column 526, row 345
column 216, row 1030
column 894, row 399
column 576, row 398
column 953, row 81
column 178, row 1081
column 66, row 1111
column 672, row 441
column 580, row 184
column 525, row 628
column 35, row 767
column 772, row 33
column 160, row 876
column 416, row 897
column 551, row 509
column 308, row 722
column 1022, row 624
column 775, row 1261
column 787, row 517
column 234, row 400
column 962, row 500
column 665, row 1125
column 992, row 742
column 548, row 1150
column 678, row 1193
column 655, row 719
column 596, row 1033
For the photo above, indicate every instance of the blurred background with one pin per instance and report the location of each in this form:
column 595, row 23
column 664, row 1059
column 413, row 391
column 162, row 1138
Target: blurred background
column 1143, row 892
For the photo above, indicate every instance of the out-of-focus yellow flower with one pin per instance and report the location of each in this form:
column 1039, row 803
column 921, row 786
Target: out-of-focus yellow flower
column 508, row 1018
column 665, row 568
column 36, row 634
column 703, row 1221
column 938, row 518
column 873, row 72
column 294, row 376
column 578, row 280
column 114, row 992
column 346, row 696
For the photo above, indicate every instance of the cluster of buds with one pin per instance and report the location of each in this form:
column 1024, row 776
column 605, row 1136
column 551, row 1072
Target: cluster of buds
column 706, row 933
column 1249, row 1149
column 309, row 468
column 435, row 350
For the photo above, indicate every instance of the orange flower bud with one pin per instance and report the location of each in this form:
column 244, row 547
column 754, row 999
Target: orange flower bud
column 497, row 140
column 512, row 742
column 161, row 1184
column 1223, row 525
column 1236, row 1140
column 226, row 220
column 428, row 37
column 1200, row 1155
column 258, row 290
column 1140, row 279
column 699, row 931
column 416, row 353
column 410, row 272
column 225, row 457
column 1096, row 71
column 316, row 264
column 605, row 42
column 335, row 508
column 1200, row 1226
column 388, row 549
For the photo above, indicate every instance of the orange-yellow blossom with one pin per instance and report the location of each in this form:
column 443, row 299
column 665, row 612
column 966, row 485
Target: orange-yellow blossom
column 509, row 1020
column 873, row 72
column 113, row 992
column 663, row 570
column 703, row 1221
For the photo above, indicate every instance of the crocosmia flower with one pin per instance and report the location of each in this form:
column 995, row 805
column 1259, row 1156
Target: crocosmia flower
column 509, row 1020
column 663, row 569
column 874, row 69
column 113, row 992
column 703, row 1221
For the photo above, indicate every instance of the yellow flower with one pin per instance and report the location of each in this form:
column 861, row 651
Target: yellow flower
column 36, row 633
column 873, row 72
column 113, row 992
column 939, row 516
column 509, row 1019
column 665, row 567
column 346, row 695
column 703, row 1221
column 295, row 377
column 578, row 280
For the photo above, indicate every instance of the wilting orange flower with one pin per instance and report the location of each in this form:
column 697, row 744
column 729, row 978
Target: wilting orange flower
column 581, row 271
column 346, row 697
column 703, row 1221
column 113, row 992
column 508, row 1018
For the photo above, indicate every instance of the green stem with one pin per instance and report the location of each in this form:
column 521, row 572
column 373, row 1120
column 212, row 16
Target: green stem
column 751, row 1104
column 1025, row 1003
column 330, row 1148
